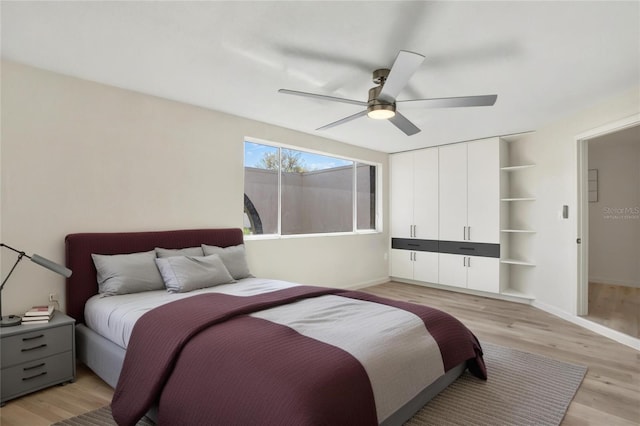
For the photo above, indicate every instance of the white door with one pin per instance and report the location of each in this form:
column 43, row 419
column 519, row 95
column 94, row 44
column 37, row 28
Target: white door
column 483, row 193
column 401, row 194
column 483, row 273
column 425, row 267
column 425, row 193
column 453, row 192
column 452, row 270
column 401, row 264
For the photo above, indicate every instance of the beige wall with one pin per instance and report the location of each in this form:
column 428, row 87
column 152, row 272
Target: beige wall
column 82, row 157
column 614, row 220
column 554, row 149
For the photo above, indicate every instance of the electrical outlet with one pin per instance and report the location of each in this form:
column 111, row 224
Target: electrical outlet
column 53, row 297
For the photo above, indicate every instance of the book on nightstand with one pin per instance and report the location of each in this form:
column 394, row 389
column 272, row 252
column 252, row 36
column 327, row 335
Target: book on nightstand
column 38, row 315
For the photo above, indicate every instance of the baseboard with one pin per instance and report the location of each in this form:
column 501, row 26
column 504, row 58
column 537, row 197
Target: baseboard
column 590, row 325
column 363, row 284
column 499, row 296
column 626, row 283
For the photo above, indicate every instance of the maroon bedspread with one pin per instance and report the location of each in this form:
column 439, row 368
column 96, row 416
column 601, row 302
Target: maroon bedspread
column 207, row 362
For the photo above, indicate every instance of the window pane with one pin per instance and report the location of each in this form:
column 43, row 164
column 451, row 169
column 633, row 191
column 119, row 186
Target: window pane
column 366, row 190
column 317, row 193
column 261, row 165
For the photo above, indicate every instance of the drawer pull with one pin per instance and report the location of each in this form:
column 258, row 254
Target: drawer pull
column 34, row 367
column 44, row 345
column 26, row 339
column 467, row 248
column 24, row 379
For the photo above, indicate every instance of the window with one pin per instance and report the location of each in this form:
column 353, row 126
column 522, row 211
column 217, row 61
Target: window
column 292, row 192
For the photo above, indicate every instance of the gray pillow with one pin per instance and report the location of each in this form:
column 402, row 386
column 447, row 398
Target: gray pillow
column 127, row 273
column 187, row 273
column 189, row 251
column 234, row 259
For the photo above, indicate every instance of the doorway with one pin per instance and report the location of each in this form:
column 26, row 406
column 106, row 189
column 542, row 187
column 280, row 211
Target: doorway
column 609, row 226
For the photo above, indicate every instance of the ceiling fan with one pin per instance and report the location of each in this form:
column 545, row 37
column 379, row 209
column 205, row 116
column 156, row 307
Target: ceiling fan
column 382, row 98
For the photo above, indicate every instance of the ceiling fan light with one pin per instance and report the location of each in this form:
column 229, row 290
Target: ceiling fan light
column 381, row 112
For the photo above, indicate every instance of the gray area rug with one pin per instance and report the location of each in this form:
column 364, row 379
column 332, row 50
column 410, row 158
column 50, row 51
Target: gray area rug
column 523, row 389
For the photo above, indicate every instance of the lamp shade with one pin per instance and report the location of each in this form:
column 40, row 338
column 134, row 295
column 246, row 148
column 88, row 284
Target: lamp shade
column 52, row 266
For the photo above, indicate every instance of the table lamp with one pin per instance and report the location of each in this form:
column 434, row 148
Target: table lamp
column 12, row 320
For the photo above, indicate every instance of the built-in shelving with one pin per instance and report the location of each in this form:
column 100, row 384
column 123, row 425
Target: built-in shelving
column 517, row 233
column 514, row 168
column 517, row 262
column 518, row 199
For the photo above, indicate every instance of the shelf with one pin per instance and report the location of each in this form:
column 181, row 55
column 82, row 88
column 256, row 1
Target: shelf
column 513, row 168
column 517, row 293
column 516, row 262
column 518, row 199
column 520, row 231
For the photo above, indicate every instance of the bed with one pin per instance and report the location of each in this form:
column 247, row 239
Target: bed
column 257, row 350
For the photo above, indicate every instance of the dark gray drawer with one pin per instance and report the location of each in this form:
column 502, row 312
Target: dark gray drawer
column 414, row 244
column 36, row 344
column 36, row 374
column 469, row 249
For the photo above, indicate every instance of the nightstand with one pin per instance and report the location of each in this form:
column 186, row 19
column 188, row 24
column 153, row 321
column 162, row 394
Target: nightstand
column 37, row 356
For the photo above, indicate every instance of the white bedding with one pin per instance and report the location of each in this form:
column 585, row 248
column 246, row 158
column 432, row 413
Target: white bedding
column 113, row 317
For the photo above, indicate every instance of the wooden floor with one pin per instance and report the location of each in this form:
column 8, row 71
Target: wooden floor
column 609, row 395
column 616, row 307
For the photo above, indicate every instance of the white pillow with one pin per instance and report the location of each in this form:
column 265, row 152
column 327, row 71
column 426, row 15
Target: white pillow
column 233, row 257
column 127, row 273
column 186, row 273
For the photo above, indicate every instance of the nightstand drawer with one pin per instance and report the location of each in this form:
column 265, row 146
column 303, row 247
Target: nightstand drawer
column 36, row 344
column 36, row 374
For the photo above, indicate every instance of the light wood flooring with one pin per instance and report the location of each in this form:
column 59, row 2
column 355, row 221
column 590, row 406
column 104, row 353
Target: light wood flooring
column 609, row 395
column 616, row 307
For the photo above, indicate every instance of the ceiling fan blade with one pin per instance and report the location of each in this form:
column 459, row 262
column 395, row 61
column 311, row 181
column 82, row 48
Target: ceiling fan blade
column 461, row 101
column 344, row 120
column 403, row 123
column 323, row 97
column 405, row 65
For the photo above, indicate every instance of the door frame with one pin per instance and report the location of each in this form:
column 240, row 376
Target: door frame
column 582, row 141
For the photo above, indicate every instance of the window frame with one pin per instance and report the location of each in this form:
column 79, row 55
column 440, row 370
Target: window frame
column 354, row 182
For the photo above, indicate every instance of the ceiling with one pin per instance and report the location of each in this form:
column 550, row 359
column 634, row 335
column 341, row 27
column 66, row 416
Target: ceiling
column 544, row 59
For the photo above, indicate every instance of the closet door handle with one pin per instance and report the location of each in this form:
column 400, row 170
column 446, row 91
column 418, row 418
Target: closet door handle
column 469, row 233
column 468, row 262
column 464, row 261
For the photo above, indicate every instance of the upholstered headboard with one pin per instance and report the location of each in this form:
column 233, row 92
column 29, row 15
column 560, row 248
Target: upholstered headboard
column 83, row 284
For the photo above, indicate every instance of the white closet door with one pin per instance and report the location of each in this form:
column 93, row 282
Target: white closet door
column 483, row 195
column 483, row 273
column 425, row 193
column 401, row 194
column 402, row 264
column 425, row 267
column 453, row 192
column 452, row 270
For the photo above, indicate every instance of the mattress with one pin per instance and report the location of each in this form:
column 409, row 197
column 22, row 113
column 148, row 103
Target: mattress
column 114, row 317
